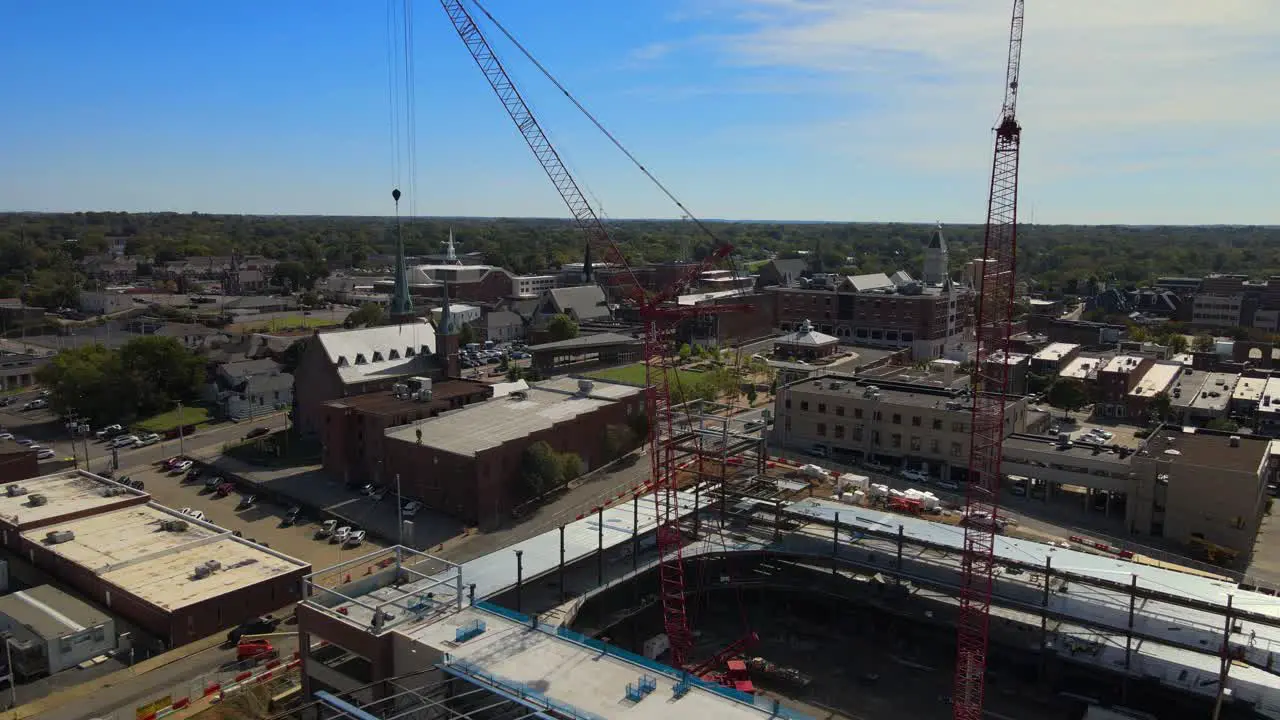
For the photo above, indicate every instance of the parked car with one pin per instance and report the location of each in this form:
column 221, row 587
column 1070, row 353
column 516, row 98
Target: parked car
column 109, row 432
column 292, row 515
column 914, row 476
column 948, row 484
column 193, row 475
column 246, row 502
column 378, row 494
column 37, row 404
column 147, row 439
column 182, row 467
column 225, row 489
column 6, row 436
column 23, row 441
column 355, row 538
column 257, row 432
column 124, row 441
column 212, row 482
column 326, row 529
column 411, row 508
column 5, row 401
column 46, row 455
column 255, row 650
column 254, row 626
column 340, row 535
column 366, row 489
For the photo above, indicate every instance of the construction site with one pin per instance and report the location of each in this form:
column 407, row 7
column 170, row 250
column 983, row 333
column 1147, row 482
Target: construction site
column 735, row 585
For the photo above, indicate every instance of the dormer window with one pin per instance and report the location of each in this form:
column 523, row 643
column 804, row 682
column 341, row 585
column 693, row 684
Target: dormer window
column 342, row 361
column 360, row 359
column 377, row 356
column 425, row 350
column 393, row 355
column 408, row 352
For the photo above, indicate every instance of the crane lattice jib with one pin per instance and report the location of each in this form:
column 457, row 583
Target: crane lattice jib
column 990, row 385
column 656, row 311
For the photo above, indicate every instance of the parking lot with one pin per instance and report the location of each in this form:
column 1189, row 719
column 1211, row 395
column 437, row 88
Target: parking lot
column 263, row 522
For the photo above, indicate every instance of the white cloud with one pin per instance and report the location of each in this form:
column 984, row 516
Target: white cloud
column 1097, row 74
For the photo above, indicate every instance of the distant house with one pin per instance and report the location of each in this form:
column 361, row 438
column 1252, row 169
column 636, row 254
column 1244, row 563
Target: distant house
column 781, row 272
column 586, row 302
column 503, row 326
column 250, row 388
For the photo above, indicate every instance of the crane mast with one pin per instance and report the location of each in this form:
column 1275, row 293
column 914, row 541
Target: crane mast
column 655, row 311
column 990, row 387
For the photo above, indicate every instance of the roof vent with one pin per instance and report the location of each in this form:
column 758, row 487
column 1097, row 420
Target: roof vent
column 15, row 490
column 55, row 537
column 585, row 386
column 174, row 525
column 1234, row 440
column 37, row 500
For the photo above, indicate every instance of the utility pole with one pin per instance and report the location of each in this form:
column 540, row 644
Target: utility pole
column 182, row 447
column 399, row 509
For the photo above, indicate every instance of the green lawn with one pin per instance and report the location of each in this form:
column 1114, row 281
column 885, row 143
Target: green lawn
column 632, row 374
column 292, row 322
column 170, row 420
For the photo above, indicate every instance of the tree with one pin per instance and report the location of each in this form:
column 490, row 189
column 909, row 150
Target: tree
column 163, row 372
column 367, row 315
column 1137, row 333
column 292, row 275
column 514, row 372
column 310, row 299
column 1037, row 384
column 562, row 327
column 1204, row 343
column 1068, row 394
column 292, row 355
column 571, row 466
column 466, row 334
column 1159, row 407
column 88, row 381
column 541, row 468
column 685, row 352
column 1176, row 342
column 751, row 394
column 617, row 438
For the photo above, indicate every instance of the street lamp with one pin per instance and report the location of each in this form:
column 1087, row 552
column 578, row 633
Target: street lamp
column 8, row 658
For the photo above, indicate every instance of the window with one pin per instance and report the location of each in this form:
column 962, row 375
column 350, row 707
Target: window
column 955, row 449
column 839, row 432
column 840, row 411
column 804, row 404
column 822, row 408
column 897, row 419
column 393, row 355
column 957, row 427
column 360, row 359
column 857, row 413
column 787, row 423
column 937, row 424
column 408, row 352
column 857, row 433
column 377, row 356
column 915, row 444
column 877, row 416
column 787, row 403
column 915, row 421
column 933, row 446
column 896, row 440
column 822, row 429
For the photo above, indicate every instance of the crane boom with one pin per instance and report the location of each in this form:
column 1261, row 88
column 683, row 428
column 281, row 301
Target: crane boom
column 990, row 385
column 655, row 310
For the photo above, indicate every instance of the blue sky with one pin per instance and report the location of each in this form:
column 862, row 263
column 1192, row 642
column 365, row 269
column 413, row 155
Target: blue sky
column 1140, row 111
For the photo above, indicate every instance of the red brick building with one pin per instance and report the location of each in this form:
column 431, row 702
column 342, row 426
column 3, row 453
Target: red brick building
column 17, row 462
column 468, row 463
column 353, row 430
column 356, row 362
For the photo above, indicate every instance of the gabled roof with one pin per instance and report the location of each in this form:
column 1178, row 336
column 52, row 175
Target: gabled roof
column 900, row 278
column 245, row 368
column 586, row 302
column 791, row 268
column 870, row 281
column 388, row 351
column 806, row 336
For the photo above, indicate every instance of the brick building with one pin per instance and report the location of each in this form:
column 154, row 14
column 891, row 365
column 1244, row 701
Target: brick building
column 468, row 462
column 353, row 429
column 354, row 362
column 17, row 462
column 176, row 578
column 1115, row 379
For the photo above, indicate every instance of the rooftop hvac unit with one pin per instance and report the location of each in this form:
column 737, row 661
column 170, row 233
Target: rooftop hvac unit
column 585, row 386
column 15, row 490
column 174, row 525
column 37, row 499
column 202, row 571
column 59, row 536
column 1234, row 440
column 213, row 565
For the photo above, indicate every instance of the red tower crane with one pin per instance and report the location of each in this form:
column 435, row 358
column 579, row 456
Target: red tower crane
column 654, row 309
column 990, row 386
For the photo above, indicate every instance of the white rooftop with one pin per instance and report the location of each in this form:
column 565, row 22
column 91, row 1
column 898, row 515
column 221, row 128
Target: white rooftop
column 1054, row 352
column 129, row 549
column 474, row 428
column 1249, row 389
column 1216, row 392
column 1081, row 367
column 1123, row 363
column 1157, row 379
column 1270, row 401
column 388, row 351
column 65, row 493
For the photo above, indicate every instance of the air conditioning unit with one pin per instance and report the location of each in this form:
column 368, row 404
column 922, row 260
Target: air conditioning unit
column 174, row 525
column 585, row 386
column 15, row 490
column 37, row 499
column 59, row 536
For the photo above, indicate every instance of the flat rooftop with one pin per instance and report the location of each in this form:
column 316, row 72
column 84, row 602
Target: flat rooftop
column 129, row 549
column 1054, row 352
column 1269, row 403
column 386, row 403
column 1020, row 443
column 1249, row 389
column 892, row 392
column 49, row 612
column 1123, row 364
column 1156, row 380
column 73, row 491
column 571, row 672
column 1082, row 367
column 479, row 427
column 1209, row 449
column 1216, row 392
column 1187, row 388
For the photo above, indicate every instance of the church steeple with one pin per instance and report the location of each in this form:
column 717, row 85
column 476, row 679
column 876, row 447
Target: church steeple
column 401, row 301
column 936, row 271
